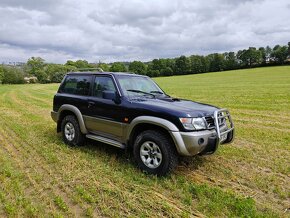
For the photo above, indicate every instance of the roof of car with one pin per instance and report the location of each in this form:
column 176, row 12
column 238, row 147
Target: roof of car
column 104, row 73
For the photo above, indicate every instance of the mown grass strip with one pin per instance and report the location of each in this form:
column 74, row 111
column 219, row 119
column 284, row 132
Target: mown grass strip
column 241, row 179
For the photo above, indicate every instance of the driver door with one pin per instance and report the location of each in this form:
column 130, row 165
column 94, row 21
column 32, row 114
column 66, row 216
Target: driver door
column 104, row 116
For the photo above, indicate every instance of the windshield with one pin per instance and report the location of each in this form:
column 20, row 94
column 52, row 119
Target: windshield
column 136, row 86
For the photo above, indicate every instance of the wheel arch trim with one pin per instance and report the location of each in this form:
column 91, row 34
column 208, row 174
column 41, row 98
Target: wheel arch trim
column 76, row 112
column 165, row 124
column 150, row 120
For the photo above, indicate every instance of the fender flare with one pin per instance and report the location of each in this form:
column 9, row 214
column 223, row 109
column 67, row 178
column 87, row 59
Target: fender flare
column 77, row 113
column 167, row 125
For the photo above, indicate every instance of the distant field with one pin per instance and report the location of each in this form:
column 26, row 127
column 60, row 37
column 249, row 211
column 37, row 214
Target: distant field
column 40, row 175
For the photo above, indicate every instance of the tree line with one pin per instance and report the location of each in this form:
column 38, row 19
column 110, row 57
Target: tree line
column 36, row 70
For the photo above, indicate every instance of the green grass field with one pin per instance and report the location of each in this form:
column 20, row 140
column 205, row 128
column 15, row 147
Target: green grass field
column 41, row 176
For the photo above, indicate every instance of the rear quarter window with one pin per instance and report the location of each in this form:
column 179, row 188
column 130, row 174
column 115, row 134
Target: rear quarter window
column 76, row 85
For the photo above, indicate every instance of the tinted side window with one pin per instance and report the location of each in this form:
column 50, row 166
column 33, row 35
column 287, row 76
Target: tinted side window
column 103, row 83
column 77, row 85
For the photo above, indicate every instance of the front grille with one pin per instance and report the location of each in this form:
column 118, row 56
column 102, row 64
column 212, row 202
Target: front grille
column 210, row 122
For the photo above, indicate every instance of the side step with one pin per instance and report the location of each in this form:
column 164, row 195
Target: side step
column 105, row 140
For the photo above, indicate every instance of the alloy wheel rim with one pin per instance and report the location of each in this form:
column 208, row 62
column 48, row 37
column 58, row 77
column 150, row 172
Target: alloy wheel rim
column 69, row 131
column 150, row 154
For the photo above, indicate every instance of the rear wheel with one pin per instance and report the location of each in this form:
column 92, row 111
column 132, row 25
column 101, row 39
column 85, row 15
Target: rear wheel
column 155, row 153
column 71, row 132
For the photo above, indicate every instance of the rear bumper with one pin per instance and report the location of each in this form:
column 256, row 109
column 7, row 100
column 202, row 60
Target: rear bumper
column 201, row 142
column 54, row 116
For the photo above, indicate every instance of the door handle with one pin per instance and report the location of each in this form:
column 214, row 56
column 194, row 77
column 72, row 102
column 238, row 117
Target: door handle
column 91, row 103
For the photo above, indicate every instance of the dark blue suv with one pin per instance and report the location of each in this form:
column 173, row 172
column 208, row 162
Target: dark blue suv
column 132, row 111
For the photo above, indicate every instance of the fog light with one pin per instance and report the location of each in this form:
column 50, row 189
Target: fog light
column 200, row 141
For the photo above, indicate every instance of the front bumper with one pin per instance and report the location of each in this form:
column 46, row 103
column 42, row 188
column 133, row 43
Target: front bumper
column 202, row 142
column 206, row 141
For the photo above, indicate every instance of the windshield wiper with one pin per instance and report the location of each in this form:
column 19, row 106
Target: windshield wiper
column 159, row 92
column 139, row 91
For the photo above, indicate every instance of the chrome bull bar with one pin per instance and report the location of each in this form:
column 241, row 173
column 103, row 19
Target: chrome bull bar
column 219, row 115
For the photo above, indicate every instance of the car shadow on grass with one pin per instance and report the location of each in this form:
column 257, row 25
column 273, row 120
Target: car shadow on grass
column 114, row 154
column 192, row 163
column 189, row 163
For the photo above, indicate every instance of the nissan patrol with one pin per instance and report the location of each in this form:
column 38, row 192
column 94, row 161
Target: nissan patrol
column 132, row 111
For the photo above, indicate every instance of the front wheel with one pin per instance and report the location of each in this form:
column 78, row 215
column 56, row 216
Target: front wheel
column 155, row 153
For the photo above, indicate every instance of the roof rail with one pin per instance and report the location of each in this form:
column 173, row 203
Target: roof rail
column 90, row 69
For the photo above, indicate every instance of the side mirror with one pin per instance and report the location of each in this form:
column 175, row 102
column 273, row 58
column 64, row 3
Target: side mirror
column 111, row 95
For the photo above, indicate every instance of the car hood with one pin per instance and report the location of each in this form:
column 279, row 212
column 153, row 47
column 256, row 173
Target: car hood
column 176, row 106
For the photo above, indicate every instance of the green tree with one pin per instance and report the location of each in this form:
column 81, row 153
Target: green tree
column 70, row 63
column 57, row 77
column 166, row 72
column 1, row 74
column 153, row 73
column 280, row 54
column 254, row 56
column 34, row 64
column 250, row 57
column 196, row 64
column 241, row 58
column 268, row 52
column 56, row 72
column 263, row 55
column 230, row 61
column 51, row 69
column 118, row 67
column 156, row 65
column 169, row 63
column 137, row 67
column 42, row 77
column 205, row 64
column 216, row 62
column 12, row 75
column 80, row 64
column 161, row 67
column 182, row 65
column 36, row 68
column 199, row 64
column 105, row 67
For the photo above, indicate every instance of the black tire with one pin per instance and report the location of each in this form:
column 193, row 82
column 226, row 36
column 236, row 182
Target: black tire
column 165, row 147
column 77, row 138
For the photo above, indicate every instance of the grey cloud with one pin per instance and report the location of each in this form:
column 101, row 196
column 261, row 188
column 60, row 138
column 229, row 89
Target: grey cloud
column 128, row 30
column 31, row 4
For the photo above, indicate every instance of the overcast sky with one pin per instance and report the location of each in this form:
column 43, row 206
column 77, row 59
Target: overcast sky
column 126, row 30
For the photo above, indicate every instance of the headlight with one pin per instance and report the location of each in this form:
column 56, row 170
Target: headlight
column 198, row 123
column 193, row 123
